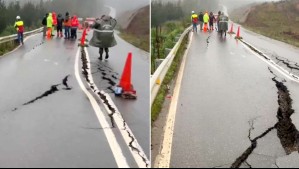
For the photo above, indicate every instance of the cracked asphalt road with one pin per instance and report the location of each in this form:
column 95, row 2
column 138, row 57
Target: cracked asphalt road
column 228, row 106
column 106, row 76
column 46, row 120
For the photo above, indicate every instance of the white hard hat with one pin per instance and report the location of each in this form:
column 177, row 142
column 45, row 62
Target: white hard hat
column 193, row 12
column 18, row 17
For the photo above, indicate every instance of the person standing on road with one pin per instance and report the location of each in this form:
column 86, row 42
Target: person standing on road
column 59, row 25
column 200, row 20
column 194, row 20
column 49, row 25
column 19, row 25
column 67, row 26
column 103, row 35
column 206, row 19
column 212, row 19
column 223, row 23
column 44, row 23
column 74, row 27
column 54, row 17
column 218, row 19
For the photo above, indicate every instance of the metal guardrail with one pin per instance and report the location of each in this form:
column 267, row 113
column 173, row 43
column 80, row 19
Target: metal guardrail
column 15, row 36
column 159, row 75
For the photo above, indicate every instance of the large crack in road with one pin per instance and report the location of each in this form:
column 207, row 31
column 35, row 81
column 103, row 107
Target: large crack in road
column 133, row 143
column 286, row 130
column 107, row 75
column 53, row 89
column 85, row 68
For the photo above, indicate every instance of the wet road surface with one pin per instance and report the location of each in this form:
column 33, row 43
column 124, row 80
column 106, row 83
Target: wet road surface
column 108, row 73
column 46, row 120
column 228, row 108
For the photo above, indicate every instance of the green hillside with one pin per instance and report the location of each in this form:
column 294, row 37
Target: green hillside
column 277, row 20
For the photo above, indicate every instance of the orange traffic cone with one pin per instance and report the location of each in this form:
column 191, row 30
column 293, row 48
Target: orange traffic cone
column 205, row 28
column 238, row 34
column 49, row 33
column 125, row 81
column 83, row 38
column 232, row 29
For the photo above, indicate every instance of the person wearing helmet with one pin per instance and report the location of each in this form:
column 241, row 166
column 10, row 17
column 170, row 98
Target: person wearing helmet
column 19, row 25
column 49, row 25
column 74, row 27
column 194, row 20
column 103, row 35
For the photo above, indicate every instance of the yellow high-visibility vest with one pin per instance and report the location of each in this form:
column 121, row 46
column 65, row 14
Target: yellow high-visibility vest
column 19, row 25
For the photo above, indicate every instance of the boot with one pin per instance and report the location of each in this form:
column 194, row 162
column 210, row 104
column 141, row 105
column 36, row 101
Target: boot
column 101, row 54
column 101, row 57
column 107, row 53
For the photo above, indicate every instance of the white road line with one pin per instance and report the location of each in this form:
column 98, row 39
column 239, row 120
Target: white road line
column 123, row 127
column 164, row 157
column 280, row 69
column 115, row 147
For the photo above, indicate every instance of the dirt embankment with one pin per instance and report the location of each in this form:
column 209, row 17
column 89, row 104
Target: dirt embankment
column 277, row 20
column 135, row 27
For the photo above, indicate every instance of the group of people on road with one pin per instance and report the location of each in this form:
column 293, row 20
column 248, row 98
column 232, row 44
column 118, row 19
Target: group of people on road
column 70, row 24
column 206, row 21
column 103, row 35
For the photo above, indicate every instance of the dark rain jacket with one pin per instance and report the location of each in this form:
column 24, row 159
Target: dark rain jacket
column 223, row 23
column 103, row 34
column 200, row 17
column 60, row 21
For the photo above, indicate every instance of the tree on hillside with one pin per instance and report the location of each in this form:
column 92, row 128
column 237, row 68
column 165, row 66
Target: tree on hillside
column 77, row 7
column 28, row 14
column 2, row 15
column 162, row 13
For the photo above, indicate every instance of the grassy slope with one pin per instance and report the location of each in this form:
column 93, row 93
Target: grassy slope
column 171, row 74
column 137, row 32
column 278, row 20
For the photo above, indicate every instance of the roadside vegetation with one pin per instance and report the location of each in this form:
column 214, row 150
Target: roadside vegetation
column 137, row 32
column 32, row 13
column 170, row 76
column 169, row 20
column 7, row 47
column 276, row 20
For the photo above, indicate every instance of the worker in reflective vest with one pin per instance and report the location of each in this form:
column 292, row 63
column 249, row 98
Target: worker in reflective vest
column 194, row 20
column 19, row 25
